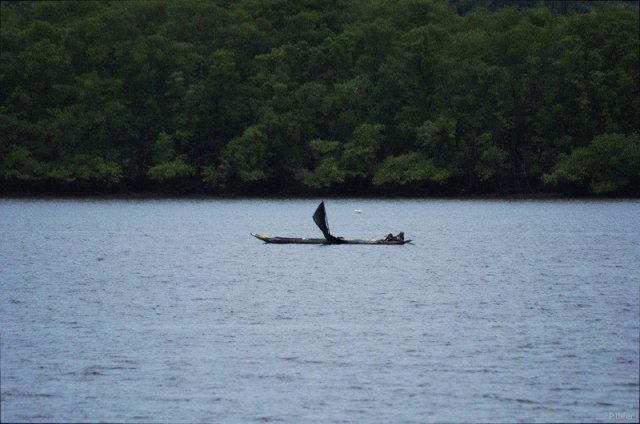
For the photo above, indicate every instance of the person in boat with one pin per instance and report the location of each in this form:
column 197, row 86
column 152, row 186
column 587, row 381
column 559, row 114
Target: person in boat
column 391, row 237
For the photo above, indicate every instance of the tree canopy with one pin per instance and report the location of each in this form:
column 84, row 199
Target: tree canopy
column 320, row 96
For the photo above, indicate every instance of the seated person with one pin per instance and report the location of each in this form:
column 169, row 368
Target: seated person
column 391, row 237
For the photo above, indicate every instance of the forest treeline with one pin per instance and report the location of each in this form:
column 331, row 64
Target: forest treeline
column 320, row 97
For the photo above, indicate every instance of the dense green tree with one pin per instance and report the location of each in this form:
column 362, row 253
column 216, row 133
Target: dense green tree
column 410, row 168
column 610, row 163
column 359, row 96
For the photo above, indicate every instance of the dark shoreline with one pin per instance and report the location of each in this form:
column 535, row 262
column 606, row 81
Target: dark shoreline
column 233, row 196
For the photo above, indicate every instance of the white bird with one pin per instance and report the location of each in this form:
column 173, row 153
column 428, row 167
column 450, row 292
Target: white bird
column 357, row 210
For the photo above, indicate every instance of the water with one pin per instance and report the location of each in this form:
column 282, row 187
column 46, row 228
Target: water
column 168, row 311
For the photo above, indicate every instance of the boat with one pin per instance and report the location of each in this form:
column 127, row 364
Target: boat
column 296, row 240
column 320, row 218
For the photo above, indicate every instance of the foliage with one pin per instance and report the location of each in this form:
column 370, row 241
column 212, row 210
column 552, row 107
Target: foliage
column 18, row 163
column 410, row 168
column 167, row 165
column 610, row 163
column 355, row 159
column 492, row 162
column 176, row 168
column 87, row 168
column 359, row 155
column 326, row 174
column 344, row 96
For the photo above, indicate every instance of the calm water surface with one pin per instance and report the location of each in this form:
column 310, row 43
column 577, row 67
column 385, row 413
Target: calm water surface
column 168, row 311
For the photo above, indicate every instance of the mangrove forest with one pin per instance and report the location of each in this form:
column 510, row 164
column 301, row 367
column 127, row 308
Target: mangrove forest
column 331, row 97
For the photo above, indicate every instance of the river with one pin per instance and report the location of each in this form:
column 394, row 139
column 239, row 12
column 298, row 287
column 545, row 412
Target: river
column 167, row 310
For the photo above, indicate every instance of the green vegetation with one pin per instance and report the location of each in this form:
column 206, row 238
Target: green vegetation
column 609, row 163
column 320, row 96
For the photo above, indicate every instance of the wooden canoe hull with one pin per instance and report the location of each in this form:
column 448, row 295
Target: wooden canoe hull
column 296, row 240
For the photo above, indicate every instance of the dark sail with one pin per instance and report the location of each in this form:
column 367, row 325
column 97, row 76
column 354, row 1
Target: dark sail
column 320, row 218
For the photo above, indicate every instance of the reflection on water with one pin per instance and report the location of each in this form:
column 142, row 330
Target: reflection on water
column 168, row 311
